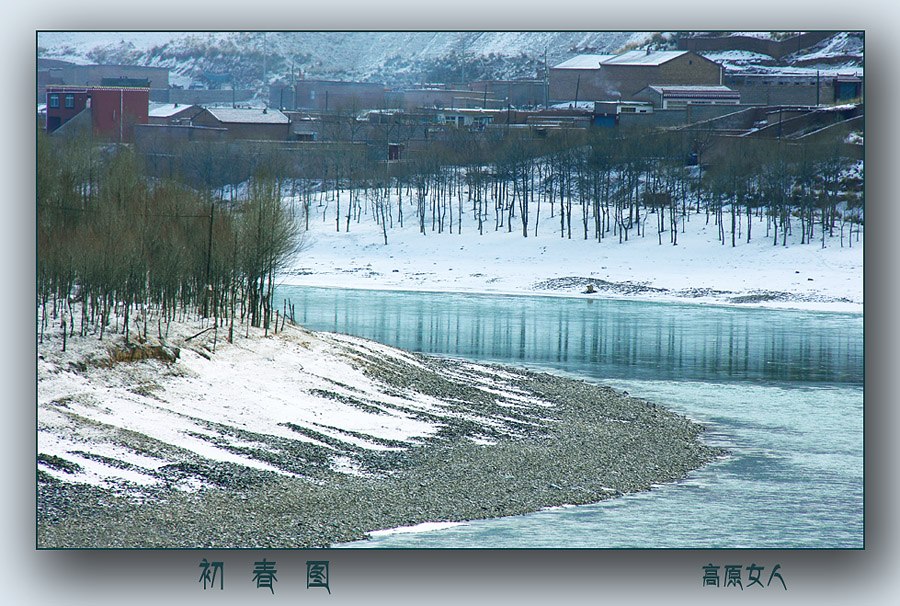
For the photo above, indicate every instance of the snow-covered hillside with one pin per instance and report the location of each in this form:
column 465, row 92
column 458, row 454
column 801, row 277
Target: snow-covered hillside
column 389, row 57
column 259, row 59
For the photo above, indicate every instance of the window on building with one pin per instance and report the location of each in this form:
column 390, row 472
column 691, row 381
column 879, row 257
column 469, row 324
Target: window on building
column 54, row 100
column 70, row 101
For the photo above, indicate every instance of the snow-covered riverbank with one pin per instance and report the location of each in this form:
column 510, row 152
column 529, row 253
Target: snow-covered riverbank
column 344, row 436
column 698, row 269
column 306, row 439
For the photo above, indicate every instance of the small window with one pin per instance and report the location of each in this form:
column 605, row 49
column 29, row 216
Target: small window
column 54, row 100
column 70, row 101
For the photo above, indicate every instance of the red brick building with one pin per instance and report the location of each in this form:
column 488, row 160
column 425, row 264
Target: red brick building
column 111, row 111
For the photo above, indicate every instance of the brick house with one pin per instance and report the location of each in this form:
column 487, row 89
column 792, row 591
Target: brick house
column 328, row 95
column 785, row 87
column 246, row 123
column 111, row 111
column 611, row 77
column 55, row 73
column 580, row 79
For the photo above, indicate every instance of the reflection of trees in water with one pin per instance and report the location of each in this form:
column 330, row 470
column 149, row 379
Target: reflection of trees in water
column 600, row 338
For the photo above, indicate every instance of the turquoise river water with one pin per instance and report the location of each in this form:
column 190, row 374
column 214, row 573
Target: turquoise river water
column 781, row 389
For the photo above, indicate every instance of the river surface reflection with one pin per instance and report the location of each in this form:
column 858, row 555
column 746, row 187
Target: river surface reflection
column 601, row 338
column 781, row 389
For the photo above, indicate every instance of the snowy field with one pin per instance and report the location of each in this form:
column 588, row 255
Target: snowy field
column 805, row 276
column 132, row 422
column 248, row 406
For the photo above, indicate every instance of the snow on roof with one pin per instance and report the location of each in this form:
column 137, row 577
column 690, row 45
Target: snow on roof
column 694, row 91
column 639, row 57
column 838, row 108
column 470, row 110
column 373, row 112
column 761, row 71
column 248, row 116
column 584, row 62
column 687, row 88
column 164, row 110
column 735, row 55
column 588, row 105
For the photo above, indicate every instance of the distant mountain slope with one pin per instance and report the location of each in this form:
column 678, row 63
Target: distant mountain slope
column 395, row 58
column 258, row 59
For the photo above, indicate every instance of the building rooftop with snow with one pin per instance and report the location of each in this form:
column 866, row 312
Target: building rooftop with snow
column 679, row 96
column 246, row 123
column 621, row 77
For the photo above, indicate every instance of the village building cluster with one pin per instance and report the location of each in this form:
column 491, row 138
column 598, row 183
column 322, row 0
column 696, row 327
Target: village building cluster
column 634, row 90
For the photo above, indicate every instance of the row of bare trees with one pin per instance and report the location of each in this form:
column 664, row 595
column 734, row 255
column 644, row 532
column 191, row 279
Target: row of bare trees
column 591, row 184
column 127, row 248
column 600, row 184
column 208, row 233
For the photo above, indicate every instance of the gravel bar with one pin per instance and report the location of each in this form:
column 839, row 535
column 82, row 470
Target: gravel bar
column 591, row 444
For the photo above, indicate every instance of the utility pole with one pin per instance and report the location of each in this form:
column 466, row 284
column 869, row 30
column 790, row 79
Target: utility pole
column 546, row 80
column 121, row 112
column 817, row 87
column 464, row 63
column 208, row 259
column 265, row 59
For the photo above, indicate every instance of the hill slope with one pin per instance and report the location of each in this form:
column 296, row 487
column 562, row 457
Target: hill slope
column 395, row 58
